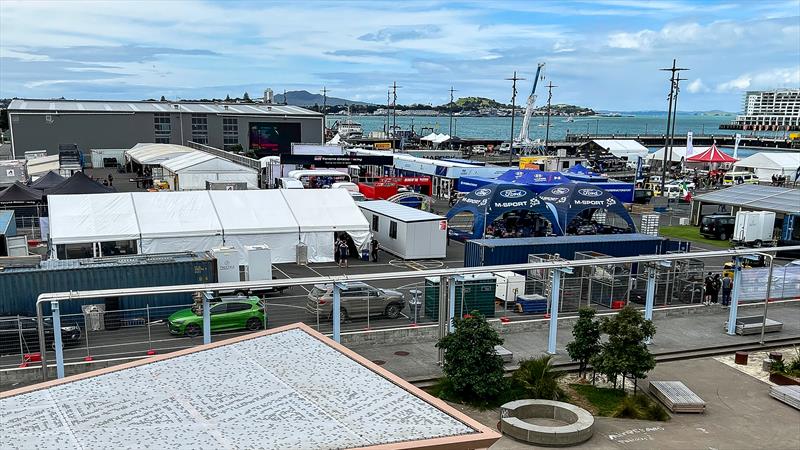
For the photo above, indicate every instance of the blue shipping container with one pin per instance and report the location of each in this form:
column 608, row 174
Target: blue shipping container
column 20, row 287
column 495, row 252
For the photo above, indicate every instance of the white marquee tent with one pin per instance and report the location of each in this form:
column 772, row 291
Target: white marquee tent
column 155, row 154
column 766, row 164
column 165, row 222
column 190, row 171
column 623, row 148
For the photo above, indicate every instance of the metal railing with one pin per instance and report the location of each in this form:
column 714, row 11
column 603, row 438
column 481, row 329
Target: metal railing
column 239, row 159
column 556, row 302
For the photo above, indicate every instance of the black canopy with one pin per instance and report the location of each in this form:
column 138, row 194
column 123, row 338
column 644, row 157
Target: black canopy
column 79, row 184
column 48, row 181
column 20, row 194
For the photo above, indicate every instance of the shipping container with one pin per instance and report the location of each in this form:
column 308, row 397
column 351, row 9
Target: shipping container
column 20, row 287
column 495, row 252
column 475, row 293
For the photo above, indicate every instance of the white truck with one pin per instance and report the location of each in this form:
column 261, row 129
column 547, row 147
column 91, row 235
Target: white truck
column 753, row 228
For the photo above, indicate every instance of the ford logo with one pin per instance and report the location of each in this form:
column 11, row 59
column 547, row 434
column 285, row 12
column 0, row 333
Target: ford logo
column 590, row 192
column 559, row 191
column 483, row 192
column 513, row 193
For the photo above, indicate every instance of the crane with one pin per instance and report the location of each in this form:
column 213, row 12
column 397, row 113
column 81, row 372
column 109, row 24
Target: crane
column 523, row 132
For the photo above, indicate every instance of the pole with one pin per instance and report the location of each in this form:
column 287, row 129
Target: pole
column 337, row 312
column 514, row 80
column 673, row 85
column 21, row 346
column 451, row 116
column 737, row 283
column 206, row 321
column 650, row 295
column 149, row 337
column 57, row 335
column 550, row 87
column 678, row 80
column 554, row 294
column 388, row 110
column 769, row 292
column 451, row 300
column 596, row 127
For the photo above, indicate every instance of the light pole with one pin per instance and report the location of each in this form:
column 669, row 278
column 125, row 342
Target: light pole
column 451, row 116
column 668, row 144
column 550, row 87
column 766, row 300
column 514, row 80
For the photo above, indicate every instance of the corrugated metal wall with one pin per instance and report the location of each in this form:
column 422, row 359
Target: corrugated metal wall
column 19, row 289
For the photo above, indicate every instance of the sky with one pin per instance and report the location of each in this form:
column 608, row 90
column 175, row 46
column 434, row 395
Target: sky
column 603, row 54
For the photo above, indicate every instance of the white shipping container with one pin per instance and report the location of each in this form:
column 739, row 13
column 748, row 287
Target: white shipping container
column 227, row 264
column 753, row 227
column 509, row 286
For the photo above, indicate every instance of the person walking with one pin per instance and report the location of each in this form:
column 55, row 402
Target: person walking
column 343, row 253
column 336, row 251
column 717, row 287
column 727, row 287
column 374, row 246
column 708, row 289
column 110, row 180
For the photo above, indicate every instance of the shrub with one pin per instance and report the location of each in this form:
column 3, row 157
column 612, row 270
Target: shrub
column 587, row 339
column 640, row 407
column 625, row 353
column 473, row 369
column 538, row 379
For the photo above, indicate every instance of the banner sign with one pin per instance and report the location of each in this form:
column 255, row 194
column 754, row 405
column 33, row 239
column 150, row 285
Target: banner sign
column 337, row 160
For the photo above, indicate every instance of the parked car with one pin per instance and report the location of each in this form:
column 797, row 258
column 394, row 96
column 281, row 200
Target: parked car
column 27, row 331
column 478, row 149
column 642, row 196
column 734, row 178
column 357, row 300
column 238, row 313
column 717, row 226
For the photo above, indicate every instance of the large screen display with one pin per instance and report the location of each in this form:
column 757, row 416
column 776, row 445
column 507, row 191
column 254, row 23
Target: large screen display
column 270, row 139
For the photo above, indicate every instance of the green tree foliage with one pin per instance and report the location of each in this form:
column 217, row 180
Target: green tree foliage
column 246, row 97
column 227, row 98
column 471, row 366
column 586, row 342
column 625, row 353
column 538, row 379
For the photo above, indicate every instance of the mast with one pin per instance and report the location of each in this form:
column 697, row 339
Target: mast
column 526, row 121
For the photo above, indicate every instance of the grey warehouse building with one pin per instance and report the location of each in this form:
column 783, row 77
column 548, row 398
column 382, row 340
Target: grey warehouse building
column 264, row 128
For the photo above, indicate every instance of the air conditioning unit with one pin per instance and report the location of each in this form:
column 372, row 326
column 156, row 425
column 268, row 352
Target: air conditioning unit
column 259, row 262
column 227, row 264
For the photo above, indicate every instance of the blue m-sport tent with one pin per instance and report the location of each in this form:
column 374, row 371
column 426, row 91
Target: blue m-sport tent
column 570, row 200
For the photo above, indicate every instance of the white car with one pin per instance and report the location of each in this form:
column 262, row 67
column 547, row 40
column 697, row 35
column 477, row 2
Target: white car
column 479, row 150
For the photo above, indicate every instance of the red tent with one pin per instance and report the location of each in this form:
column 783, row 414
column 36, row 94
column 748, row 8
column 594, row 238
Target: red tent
column 712, row 155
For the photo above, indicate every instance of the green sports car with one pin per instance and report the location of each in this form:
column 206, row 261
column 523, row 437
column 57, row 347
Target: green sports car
column 240, row 314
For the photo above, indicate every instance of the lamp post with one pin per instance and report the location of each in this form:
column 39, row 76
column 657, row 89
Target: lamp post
column 513, row 80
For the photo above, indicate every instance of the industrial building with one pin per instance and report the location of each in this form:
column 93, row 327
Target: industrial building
column 776, row 109
column 264, row 128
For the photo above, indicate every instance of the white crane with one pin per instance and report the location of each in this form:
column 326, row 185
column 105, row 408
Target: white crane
column 524, row 138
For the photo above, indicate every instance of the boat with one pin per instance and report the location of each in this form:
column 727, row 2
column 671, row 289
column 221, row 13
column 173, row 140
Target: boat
column 348, row 129
column 569, row 120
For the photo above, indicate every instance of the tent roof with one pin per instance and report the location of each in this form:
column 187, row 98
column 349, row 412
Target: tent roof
column 678, row 153
column 91, row 218
column 325, row 210
column 253, row 212
column 755, row 197
column 429, row 137
column 771, row 160
column 47, row 181
column 19, row 193
column 570, row 199
column 712, row 155
column 532, row 176
column 196, row 161
column 622, row 147
column 154, row 154
column 79, row 183
column 176, row 214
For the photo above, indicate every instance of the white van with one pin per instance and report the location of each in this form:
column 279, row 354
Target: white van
column 289, row 183
column 733, row 178
column 350, row 187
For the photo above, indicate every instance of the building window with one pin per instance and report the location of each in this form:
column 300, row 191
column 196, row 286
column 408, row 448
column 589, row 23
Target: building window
column 163, row 127
column 200, row 128
column 393, row 229
column 230, row 132
column 374, row 223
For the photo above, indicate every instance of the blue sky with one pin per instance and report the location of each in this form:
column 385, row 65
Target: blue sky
column 603, row 54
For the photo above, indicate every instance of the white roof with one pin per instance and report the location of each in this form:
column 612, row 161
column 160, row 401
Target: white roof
column 441, row 138
column 771, row 160
column 197, row 161
column 127, row 107
column 429, row 137
column 678, row 153
column 325, row 210
column 397, row 211
column 175, row 214
column 154, row 154
column 622, row 147
column 253, row 212
column 42, row 165
column 92, row 218
column 289, row 387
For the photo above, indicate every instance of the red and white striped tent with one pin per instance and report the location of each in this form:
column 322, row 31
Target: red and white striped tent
column 712, row 155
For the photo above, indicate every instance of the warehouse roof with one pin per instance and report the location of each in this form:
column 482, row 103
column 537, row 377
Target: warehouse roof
column 127, row 107
column 289, row 387
column 755, row 197
column 397, row 211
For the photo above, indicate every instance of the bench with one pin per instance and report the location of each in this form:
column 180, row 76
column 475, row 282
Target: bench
column 677, row 397
column 578, row 423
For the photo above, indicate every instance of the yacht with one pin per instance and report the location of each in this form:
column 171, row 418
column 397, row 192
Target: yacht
column 348, row 129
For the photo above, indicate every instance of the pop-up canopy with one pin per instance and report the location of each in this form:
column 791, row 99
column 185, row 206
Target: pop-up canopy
column 712, row 155
column 569, row 200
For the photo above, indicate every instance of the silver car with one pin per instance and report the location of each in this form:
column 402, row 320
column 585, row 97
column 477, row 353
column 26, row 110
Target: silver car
column 358, row 300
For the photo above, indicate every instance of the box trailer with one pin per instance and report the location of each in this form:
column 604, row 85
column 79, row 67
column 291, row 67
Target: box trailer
column 753, row 228
column 495, row 252
column 406, row 232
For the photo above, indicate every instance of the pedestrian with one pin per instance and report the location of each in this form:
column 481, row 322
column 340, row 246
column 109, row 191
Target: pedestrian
column 709, row 288
column 727, row 287
column 336, row 251
column 374, row 245
column 110, row 180
column 717, row 288
column 343, row 253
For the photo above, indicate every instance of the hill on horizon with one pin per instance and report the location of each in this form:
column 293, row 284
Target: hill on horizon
column 305, row 98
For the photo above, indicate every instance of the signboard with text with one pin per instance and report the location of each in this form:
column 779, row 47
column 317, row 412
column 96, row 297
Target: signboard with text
column 336, row 160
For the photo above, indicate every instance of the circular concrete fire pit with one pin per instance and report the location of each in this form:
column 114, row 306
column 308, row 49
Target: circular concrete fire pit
column 546, row 422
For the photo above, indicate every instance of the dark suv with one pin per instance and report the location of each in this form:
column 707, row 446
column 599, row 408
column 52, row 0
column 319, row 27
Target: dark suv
column 23, row 336
column 717, row 226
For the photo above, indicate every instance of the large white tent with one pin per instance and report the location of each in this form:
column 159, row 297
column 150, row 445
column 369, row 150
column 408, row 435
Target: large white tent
column 623, row 148
column 767, row 164
column 164, row 222
column 155, row 154
column 190, row 171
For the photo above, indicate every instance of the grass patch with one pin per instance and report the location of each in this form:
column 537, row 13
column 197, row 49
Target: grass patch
column 615, row 403
column 690, row 233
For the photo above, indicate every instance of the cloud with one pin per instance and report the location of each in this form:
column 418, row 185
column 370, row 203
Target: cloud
column 397, row 34
column 697, row 86
column 770, row 79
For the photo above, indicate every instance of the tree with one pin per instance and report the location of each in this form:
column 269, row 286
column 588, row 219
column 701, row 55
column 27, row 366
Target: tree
column 163, row 99
column 471, row 364
column 538, row 379
column 246, row 97
column 587, row 339
column 227, row 98
column 625, row 353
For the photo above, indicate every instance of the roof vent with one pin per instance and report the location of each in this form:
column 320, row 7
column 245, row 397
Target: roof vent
column 226, row 107
column 176, row 106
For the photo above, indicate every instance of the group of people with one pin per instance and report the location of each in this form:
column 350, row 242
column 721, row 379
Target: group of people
column 341, row 250
column 778, row 180
column 523, row 226
column 714, row 284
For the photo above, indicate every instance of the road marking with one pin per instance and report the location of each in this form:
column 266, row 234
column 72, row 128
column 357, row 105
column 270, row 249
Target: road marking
column 287, row 276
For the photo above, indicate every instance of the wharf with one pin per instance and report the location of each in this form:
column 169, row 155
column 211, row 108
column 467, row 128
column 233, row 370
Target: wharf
column 659, row 140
